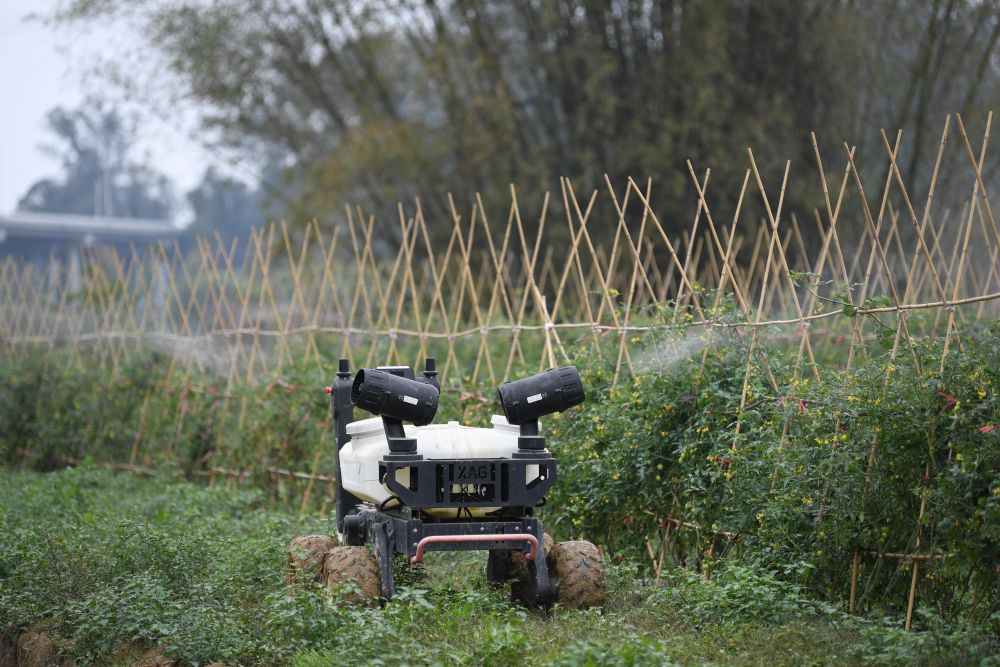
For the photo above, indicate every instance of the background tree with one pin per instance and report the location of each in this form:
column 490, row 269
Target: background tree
column 390, row 99
column 224, row 205
column 100, row 177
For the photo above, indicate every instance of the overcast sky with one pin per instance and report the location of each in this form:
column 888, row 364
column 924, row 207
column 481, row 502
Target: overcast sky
column 41, row 69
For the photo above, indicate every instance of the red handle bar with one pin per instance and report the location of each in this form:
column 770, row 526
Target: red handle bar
column 447, row 539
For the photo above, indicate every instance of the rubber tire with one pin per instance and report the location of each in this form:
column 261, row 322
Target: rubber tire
column 357, row 566
column 306, row 555
column 578, row 570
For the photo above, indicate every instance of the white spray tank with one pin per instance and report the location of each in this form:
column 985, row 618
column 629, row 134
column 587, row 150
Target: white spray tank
column 514, row 467
column 359, row 458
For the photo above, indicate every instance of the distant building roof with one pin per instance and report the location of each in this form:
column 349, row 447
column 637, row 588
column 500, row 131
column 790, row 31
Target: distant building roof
column 85, row 228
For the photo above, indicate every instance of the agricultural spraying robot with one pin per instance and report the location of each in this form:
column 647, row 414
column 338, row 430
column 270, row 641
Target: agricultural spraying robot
column 407, row 490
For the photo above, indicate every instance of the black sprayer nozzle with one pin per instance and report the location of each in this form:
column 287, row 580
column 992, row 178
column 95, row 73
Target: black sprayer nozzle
column 430, row 372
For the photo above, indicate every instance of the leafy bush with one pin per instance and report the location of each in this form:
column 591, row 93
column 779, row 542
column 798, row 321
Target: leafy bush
column 56, row 408
column 633, row 652
column 889, row 644
column 799, row 479
column 109, row 560
column 734, row 595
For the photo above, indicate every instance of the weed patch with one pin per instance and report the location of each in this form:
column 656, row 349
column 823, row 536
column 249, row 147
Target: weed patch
column 109, row 564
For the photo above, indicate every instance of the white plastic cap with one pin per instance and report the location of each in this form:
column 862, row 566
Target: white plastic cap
column 500, row 423
column 365, row 426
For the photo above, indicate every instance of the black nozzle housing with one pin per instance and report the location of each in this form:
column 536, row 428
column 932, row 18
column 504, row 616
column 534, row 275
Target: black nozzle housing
column 388, row 395
column 430, row 372
column 555, row 390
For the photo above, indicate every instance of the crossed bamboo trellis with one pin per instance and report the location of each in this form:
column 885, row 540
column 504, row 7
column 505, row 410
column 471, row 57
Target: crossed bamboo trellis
column 506, row 290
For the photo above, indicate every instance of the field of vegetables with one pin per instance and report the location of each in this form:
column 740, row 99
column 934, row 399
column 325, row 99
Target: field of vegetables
column 781, row 529
column 110, row 568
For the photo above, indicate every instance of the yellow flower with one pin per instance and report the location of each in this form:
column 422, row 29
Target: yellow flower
column 760, row 517
column 728, row 475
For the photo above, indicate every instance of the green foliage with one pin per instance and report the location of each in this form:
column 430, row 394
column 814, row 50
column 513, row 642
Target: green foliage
column 890, row 644
column 781, row 478
column 734, row 595
column 632, row 652
column 115, row 563
column 55, row 408
column 752, row 499
column 112, row 560
column 636, row 444
column 799, row 478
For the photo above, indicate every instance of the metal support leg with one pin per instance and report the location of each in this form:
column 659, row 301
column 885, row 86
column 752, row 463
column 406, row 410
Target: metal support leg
column 384, row 551
column 498, row 566
column 545, row 594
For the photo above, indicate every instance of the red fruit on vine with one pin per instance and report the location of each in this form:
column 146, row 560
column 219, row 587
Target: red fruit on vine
column 949, row 402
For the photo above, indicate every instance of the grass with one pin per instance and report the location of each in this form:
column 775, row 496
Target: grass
column 113, row 563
